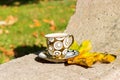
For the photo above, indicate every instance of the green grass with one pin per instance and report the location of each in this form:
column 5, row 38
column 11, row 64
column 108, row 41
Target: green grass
column 21, row 34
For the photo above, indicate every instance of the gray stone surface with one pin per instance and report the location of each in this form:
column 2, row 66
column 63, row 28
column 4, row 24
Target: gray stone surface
column 31, row 68
column 96, row 20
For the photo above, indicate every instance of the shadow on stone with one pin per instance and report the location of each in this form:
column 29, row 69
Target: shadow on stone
column 42, row 60
column 24, row 50
column 45, row 61
column 66, row 64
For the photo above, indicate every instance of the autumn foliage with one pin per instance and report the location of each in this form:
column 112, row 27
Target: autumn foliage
column 86, row 57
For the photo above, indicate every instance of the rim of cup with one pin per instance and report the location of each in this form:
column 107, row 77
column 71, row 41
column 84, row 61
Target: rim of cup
column 56, row 35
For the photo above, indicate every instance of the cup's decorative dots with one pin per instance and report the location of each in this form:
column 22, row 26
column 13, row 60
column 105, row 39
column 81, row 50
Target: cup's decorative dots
column 67, row 42
column 57, row 53
column 51, row 39
column 64, row 52
column 58, row 45
column 51, row 48
column 50, row 52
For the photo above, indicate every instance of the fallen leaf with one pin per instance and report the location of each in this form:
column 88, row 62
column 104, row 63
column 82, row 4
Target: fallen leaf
column 52, row 24
column 7, row 52
column 12, row 46
column 37, row 42
column 35, row 34
column 46, row 20
column 4, row 6
column 6, row 31
column 42, row 34
column 74, row 46
column 52, row 28
column 73, row 6
column 10, row 52
column 11, row 20
column 31, row 26
column 3, row 58
column 50, row 7
column 87, row 58
column 86, row 46
column 1, row 31
column 62, row 20
column 36, row 23
column 108, row 58
column 6, row 59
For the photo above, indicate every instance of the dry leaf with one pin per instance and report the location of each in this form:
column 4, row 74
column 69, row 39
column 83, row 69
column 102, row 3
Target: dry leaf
column 6, row 31
column 1, row 31
column 12, row 46
column 31, row 26
column 7, row 52
column 50, row 7
column 73, row 6
column 36, row 23
column 87, row 58
column 10, row 52
column 6, row 59
column 35, row 34
column 37, row 42
column 86, row 46
column 108, row 58
column 42, row 34
column 52, row 24
column 11, row 20
column 62, row 20
column 4, row 6
column 46, row 20
column 52, row 28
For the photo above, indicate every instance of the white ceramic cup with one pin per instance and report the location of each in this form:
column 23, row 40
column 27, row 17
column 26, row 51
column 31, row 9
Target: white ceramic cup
column 58, row 44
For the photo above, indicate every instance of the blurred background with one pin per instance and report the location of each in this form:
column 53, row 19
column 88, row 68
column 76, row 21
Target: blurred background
column 23, row 24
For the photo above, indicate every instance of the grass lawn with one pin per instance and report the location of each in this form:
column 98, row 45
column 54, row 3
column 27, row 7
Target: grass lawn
column 33, row 22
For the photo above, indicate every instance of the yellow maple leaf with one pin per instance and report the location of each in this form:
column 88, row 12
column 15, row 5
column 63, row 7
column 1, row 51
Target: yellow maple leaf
column 85, row 46
column 74, row 46
column 108, row 58
column 87, row 58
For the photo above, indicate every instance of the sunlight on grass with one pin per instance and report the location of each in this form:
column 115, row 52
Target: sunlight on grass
column 31, row 26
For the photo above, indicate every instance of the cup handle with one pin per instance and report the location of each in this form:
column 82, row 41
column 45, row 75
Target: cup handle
column 70, row 35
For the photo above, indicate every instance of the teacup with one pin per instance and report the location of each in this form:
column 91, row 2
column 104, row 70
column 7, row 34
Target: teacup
column 58, row 44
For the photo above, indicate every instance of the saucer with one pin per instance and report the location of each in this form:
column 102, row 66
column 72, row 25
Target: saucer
column 70, row 53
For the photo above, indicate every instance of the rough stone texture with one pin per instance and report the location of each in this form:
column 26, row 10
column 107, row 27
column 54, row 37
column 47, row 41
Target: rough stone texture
column 96, row 20
column 31, row 68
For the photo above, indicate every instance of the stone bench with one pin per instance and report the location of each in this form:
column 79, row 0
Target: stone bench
column 96, row 20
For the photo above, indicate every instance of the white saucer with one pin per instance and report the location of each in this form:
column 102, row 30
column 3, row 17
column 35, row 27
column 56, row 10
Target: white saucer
column 70, row 54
